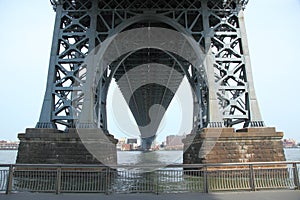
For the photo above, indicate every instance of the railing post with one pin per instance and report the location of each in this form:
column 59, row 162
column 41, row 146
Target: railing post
column 205, row 180
column 58, row 180
column 251, row 178
column 157, row 182
column 296, row 176
column 9, row 180
column 107, row 180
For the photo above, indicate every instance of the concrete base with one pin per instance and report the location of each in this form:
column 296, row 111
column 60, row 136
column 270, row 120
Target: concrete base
column 225, row 145
column 51, row 146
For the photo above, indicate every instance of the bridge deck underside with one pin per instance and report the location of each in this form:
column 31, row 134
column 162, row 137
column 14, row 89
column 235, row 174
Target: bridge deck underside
column 148, row 80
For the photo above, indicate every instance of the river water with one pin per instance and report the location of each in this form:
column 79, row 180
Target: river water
column 136, row 157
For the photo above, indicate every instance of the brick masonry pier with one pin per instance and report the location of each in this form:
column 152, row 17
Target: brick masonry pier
column 225, row 145
column 76, row 146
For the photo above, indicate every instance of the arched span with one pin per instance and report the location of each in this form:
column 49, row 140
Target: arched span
column 123, row 43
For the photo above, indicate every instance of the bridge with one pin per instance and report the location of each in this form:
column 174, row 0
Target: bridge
column 148, row 48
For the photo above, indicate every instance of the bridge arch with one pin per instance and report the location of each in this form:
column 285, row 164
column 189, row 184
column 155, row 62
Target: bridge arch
column 194, row 55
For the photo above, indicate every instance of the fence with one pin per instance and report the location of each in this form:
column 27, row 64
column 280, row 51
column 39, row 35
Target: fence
column 150, row 179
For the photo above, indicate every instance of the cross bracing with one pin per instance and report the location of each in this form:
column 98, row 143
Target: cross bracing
column 217, row 27
column 148, row 4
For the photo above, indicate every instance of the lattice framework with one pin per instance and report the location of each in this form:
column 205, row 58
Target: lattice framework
column 217, row 26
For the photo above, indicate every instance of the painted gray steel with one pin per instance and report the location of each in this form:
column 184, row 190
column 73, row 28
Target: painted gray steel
column 223, row 85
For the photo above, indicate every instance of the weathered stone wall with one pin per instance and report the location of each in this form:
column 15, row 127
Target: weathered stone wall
column 225, row 145
column 51, row 146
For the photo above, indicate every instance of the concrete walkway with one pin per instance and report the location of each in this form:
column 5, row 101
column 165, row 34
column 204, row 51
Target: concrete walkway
column 259, row 195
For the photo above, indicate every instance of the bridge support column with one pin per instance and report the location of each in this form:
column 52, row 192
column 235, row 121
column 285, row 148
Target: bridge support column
column 225, row 145
column 51, row 146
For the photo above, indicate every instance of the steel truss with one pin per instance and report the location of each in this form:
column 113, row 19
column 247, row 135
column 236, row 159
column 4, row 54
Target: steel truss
column 216, row 25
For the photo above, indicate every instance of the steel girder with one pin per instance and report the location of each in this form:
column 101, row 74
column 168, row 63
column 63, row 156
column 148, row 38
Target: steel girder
column 216, row 25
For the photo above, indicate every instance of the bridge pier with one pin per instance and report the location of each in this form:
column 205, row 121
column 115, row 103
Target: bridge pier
column 227, row 145
column 51, row 146
column 147, row 48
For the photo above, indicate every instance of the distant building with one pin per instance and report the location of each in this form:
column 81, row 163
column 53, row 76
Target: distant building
column 174, row 142
column 6, row 145
column 120, row 143
column 289, row 143
column 126, row 147
column 132, row 141
column 129, row 144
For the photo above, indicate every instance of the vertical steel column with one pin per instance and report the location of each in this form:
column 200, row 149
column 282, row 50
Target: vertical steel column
column 45, row 120
column 214, row 114
column 85, row 118
column 255, row 118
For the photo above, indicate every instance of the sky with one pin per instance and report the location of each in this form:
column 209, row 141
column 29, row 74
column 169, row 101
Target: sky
column 273, row 29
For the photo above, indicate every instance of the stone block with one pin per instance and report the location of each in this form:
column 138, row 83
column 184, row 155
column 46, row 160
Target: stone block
column 214, row 145
column 51, row 146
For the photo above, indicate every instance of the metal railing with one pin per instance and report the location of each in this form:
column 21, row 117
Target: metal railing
column 150, row 179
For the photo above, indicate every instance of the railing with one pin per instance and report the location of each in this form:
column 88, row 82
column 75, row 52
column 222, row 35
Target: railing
column 151, row 179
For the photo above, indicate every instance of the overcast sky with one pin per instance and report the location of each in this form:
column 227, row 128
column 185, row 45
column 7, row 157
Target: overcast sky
column 273, row 29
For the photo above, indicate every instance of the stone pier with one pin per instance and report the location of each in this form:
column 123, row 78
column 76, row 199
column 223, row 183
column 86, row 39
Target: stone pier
column 51, row 146
column 225, row 145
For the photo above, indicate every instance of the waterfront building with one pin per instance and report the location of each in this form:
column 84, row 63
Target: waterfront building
column 289, row 143
column 174, row 142
column 8, row 145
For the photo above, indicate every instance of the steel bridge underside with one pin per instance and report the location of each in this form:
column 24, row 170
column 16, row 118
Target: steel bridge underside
column 224, row 96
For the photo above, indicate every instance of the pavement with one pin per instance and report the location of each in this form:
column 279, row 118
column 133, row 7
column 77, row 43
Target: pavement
column 259, row 195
